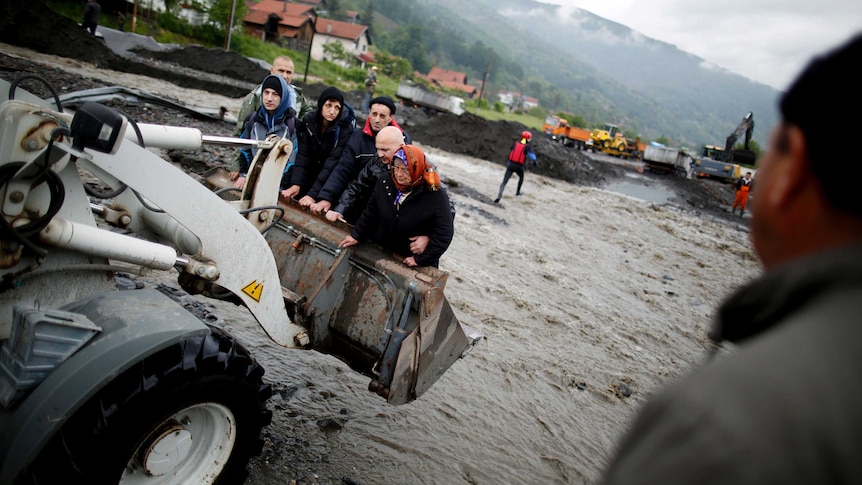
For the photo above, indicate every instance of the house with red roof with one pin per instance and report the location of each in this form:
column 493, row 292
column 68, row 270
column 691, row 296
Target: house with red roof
column 278, row 21
column 450, row 80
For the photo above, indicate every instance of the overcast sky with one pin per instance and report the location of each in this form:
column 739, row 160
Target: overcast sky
column 769, row 41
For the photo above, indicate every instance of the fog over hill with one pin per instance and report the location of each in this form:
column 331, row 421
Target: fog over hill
column 609, row 70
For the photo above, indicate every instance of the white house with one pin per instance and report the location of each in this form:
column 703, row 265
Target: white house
column 353, row 37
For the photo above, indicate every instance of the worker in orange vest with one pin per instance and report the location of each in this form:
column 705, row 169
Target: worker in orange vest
column 520, row 152
column 743, row 187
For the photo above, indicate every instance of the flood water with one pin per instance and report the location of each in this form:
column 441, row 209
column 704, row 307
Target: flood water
column 642, row 192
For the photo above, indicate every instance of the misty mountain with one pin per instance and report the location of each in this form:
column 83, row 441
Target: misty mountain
column 607, row 72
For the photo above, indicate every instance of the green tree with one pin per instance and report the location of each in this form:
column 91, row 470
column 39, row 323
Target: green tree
column 393, row 66
column 335, row 51
column 334, row 8
column 579, row 121
column 537, row 112
column 752, row 145
column 219, row 12
column 368, row 17
column 663, row 140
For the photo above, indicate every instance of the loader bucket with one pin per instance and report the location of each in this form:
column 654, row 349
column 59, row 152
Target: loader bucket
column 362, row 305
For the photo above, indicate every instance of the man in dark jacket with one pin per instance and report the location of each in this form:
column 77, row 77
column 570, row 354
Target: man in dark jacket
column 358, row 191
column 359, row 151
column 91, row 16
column 321, row 136
column 784, row 406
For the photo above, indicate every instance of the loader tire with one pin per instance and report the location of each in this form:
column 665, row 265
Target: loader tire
column 199, row 407
column 606, row 143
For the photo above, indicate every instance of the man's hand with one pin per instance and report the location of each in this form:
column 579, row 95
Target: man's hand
column 418, row 244
column 320, row 207
column 306, row 201
column 347, row 242
column 233, row 175
column 410, row 261
column 333, row 216
column 290, row 192
column 239, row 183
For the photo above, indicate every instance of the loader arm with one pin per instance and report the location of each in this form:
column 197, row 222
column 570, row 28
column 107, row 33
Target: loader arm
column 237, row 248
column 225, row 248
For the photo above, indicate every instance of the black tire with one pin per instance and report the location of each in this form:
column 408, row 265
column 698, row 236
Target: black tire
column 103, row 436
column 606, row 143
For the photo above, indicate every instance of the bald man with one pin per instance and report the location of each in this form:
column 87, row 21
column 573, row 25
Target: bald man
column 355, row 196
column 281, row 66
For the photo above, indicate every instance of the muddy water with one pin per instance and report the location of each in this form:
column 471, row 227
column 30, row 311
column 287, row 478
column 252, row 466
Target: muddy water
column 589, row 300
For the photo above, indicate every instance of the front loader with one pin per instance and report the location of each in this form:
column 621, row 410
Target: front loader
column 105, row 382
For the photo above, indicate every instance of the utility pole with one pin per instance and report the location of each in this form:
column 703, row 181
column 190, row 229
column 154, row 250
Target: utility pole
column 484, row 78
column 310, row 44
column 134, row 15
column 229, row 25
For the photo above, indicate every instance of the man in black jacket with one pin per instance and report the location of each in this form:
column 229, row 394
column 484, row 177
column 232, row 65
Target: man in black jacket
column 91, row 16
column 355, row 196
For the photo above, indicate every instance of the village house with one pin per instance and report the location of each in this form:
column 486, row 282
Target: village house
column 447, row 79
column 514, row 100
column 295, row 25
column 288, row 24
column 353, row 37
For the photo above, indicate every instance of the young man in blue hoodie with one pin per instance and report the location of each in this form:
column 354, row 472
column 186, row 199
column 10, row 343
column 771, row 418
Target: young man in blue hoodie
column 275, row 116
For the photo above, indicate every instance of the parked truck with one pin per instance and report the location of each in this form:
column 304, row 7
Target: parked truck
column 558, row 129
column 662, row 159
column 102, row 381
column 417, row 95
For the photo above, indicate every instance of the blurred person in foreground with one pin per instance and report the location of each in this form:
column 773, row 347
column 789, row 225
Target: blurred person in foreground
column 406, row 204
column 785, row 406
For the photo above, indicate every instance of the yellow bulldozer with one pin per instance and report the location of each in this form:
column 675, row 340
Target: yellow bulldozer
column 610, row 136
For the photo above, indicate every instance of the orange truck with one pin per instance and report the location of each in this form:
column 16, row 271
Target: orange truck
column 559, row 130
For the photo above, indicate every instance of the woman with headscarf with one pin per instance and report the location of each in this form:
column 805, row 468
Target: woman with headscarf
column 322, row 135
column 406, row 204
column 275, row 116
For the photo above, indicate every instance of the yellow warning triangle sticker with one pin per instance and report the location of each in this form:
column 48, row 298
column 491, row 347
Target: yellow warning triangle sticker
column 253, row 289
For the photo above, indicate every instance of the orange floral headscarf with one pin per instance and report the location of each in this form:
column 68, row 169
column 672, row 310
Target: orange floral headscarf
column 420, row 169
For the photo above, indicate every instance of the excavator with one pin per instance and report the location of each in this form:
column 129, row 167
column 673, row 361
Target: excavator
column 102, row 381
column 724, row 163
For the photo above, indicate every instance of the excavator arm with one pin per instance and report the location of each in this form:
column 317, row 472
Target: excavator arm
column 745, row 126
